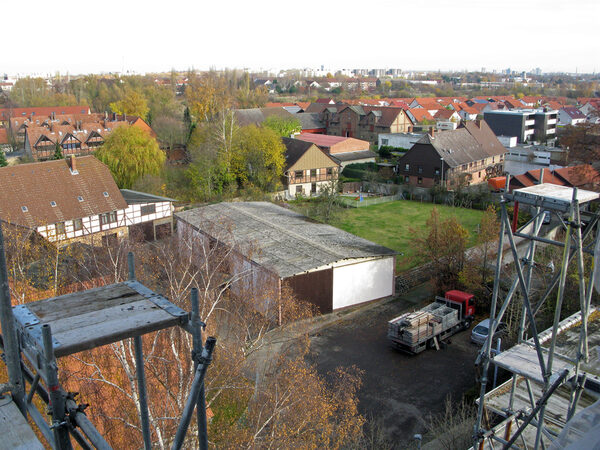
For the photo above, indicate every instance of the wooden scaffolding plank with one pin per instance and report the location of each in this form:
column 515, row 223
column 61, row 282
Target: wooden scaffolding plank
column 99, row 316
column 99, row 329
column 15, row 432
column 80, row 302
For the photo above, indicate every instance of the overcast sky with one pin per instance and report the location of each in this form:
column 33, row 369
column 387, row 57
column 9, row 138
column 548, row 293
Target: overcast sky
column 143, row 36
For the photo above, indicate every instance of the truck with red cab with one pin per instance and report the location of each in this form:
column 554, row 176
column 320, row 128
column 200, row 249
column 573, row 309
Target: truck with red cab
column 430, row 326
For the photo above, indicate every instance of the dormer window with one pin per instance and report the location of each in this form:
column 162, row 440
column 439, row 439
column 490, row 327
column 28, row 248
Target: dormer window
column 105, row 194
column 24, row 208
column 53, row 203
column 80, row 198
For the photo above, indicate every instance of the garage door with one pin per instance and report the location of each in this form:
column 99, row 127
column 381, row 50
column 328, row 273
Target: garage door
column 362, row 281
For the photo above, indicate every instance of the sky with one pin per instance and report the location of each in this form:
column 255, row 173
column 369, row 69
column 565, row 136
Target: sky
column 149, row 36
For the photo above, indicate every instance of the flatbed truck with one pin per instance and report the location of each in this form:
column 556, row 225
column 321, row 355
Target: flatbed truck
column 430, row 326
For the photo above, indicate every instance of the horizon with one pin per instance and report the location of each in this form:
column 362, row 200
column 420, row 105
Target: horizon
column 434, row 37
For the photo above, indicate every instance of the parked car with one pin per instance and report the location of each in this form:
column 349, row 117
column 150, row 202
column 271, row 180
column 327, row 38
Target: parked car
column 482, row 329
column 547, row 217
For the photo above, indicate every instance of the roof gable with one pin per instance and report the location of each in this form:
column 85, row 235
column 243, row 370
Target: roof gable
column 302, row 155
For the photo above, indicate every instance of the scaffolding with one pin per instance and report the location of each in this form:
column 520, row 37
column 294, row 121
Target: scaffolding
column 35, row 334
column 546, row 384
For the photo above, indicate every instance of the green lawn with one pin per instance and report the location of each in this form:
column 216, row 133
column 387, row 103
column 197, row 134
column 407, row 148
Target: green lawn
column 388, row 224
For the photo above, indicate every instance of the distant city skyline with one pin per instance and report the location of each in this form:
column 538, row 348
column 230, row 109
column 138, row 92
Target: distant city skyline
column 135, row 36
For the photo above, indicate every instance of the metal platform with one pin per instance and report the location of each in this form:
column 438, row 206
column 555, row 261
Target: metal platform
column 522, row 359
column 15, row 432
column 551, row 196
column 100, row 316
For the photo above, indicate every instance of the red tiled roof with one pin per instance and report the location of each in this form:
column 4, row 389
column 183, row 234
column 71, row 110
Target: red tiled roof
column 328, row 142
column 35, row 185
column 469, row 109
column 582, row 176
column 420, row 114
column 399, row 104
column 6, row 113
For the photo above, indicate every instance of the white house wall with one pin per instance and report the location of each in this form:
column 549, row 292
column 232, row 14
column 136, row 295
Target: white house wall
column 362, row 281
column 125, row 217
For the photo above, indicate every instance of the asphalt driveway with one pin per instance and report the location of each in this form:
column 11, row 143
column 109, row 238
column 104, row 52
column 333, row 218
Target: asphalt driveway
column 398, row 390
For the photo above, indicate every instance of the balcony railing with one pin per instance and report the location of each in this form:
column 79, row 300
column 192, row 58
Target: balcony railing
column 312, row 179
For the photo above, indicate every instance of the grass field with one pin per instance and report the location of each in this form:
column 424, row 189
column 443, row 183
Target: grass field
column 389, row 224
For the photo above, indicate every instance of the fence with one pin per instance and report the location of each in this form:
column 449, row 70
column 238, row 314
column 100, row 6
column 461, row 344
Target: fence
column 361, row 200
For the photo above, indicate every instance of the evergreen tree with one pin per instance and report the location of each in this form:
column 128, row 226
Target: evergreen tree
column 58, row 154
column 3, row 161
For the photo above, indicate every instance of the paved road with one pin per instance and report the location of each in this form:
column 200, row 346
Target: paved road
column 401, row 390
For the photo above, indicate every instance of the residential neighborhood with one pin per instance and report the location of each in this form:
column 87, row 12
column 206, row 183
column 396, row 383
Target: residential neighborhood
column 234, row 240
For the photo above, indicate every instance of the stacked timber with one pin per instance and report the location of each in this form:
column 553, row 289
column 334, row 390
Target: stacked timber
column 407, row 320
column 415, row 334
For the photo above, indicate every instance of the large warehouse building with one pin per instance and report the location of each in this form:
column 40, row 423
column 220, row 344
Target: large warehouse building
column 324, row 265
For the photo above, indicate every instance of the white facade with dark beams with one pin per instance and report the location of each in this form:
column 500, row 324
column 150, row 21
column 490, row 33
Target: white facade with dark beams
column 78, row 200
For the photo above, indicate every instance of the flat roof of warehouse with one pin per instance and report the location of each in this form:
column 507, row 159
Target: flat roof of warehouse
column 279, row 239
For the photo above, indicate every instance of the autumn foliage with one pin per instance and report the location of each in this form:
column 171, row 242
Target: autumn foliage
column 258, row 395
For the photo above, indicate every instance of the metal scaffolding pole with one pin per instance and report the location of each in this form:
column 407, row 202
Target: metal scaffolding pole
column 60, row 427
column 10, row 340
column 197, row 326
column 188, row 410
column 140, row 373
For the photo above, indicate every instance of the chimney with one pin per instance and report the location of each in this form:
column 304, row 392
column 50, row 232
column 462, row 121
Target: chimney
column 72, row 163
column 432, row 132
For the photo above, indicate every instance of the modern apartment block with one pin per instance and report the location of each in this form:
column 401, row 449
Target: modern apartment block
column 526, row 124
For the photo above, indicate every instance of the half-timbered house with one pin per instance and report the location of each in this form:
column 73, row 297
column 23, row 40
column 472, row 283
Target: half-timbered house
column 77, row 199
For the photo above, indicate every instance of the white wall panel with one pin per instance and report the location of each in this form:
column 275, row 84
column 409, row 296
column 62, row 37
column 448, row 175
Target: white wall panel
column 360, row 282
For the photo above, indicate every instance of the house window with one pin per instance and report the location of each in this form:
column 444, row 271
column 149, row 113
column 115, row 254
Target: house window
column 313, row 188
column 437, row 170
column 384, row 142
column 420, row 180
column 313, row 172
column 329, row 171
column 60, row 228
column 108, row 218
column 299, row 189
column 77, row 225
column 148, row 209
column 407, row 167
column 406, row 179
column 299, row 173
column 420, row 169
